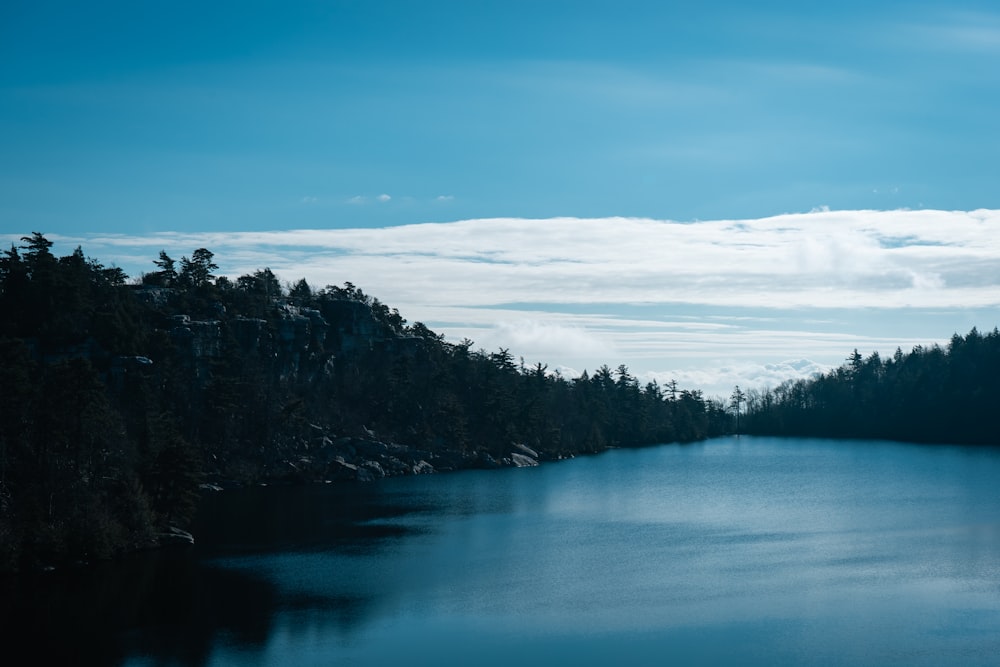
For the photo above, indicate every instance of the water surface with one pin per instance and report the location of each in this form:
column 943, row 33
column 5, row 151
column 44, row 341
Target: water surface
column 733, row 551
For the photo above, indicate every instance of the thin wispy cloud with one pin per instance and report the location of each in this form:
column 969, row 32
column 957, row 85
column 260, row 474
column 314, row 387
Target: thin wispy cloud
column 957, row 31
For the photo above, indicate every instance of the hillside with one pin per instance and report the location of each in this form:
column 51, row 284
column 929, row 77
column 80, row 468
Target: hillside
column 123, row 399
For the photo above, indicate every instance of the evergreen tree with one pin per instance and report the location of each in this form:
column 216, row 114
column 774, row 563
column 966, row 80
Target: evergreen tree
column 167, row 275
column 197, row 271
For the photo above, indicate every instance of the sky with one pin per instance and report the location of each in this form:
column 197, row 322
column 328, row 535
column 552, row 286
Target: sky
column 719, row 193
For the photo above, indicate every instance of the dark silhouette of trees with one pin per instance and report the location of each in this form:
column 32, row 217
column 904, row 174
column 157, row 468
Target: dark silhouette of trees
column 931, row 394
column 300, row 290
column 197, row 271
column 167, row 275
column 118, row 401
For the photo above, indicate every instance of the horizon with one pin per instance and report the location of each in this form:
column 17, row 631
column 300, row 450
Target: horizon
column 721, row 194
column 578, row 297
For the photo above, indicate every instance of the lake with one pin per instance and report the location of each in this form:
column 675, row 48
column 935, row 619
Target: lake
column 736, row 550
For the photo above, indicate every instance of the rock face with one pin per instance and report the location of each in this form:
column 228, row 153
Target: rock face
column 249, row 332
column 296, row 344
column 355, row 328
column 198, row 341
column 302, row 340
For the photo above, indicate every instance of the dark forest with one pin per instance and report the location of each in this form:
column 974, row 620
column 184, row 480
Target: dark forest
column 930, row 394
column 123, row 399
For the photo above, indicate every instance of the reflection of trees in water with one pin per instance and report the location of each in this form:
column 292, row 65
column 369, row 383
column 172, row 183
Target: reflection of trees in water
column 159, row 605
column 166, row 608
column 319, row 615
column 171, row 608
column 177, row 606
column 185, row 618
column 296, row 518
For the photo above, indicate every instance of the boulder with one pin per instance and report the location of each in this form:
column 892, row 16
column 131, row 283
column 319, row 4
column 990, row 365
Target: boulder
column 524, row 449
column 374, row 468
column 522, row 460
column 422, row 467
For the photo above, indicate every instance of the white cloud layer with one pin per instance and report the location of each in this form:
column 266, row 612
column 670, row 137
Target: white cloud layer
column 580, row 292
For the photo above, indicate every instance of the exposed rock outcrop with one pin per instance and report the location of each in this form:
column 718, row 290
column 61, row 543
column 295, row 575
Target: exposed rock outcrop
column 523, row 460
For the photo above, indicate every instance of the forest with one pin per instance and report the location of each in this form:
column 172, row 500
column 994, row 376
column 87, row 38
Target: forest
column 123, row 399
column 931, row 394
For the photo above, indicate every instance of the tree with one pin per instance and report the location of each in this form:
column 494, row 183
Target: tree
column 855, row 362
column 262, row 282
column 10, row 264
column 625, row 379
column 604, row 377
column 300, row 290
column 736, row 400
column 502, row 359
column 421, row 330
column 167, row 275
column 37, row 246
column 174, row 472
column 197, row 271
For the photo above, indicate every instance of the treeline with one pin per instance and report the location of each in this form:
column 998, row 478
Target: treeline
column 931, row 394
column 119, row 397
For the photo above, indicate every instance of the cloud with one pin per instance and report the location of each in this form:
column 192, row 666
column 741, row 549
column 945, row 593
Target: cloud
column 309, row 200
column 836, row 259
column 719, row 381
column 547, row 339
column 958, row 31
column 361, row 199
column 703, row 298
column 443, row 198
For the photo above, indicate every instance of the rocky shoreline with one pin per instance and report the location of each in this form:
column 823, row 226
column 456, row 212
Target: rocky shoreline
column 366, row 459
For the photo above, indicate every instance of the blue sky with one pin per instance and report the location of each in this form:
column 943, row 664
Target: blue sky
column 535, row 135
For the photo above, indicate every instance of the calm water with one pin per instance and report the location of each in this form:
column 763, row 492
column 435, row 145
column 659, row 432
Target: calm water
column 734, row 551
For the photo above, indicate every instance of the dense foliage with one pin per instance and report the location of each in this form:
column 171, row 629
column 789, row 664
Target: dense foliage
column 931, row 394
column 120, row 399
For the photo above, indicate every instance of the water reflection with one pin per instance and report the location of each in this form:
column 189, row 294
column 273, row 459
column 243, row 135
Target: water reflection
column 164, row 606
column 178, row 605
